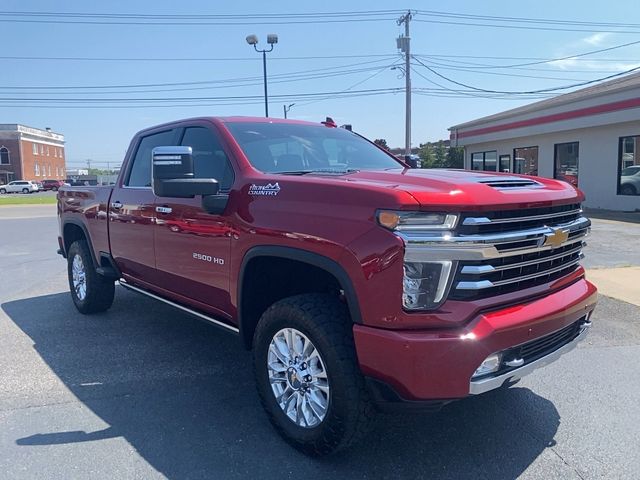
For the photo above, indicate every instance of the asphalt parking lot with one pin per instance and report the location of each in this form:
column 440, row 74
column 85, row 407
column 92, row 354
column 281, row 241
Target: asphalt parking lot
column 145, row 391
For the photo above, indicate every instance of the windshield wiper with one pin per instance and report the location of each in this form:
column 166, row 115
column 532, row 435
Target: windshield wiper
column 319, row 170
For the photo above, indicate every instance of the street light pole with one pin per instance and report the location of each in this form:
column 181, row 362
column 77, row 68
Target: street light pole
column 272, row 39
column 286, row 108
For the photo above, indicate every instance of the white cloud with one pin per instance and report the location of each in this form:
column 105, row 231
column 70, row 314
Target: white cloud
column 596, row 39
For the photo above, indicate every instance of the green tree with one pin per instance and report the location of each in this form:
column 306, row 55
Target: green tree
column 455, row 157
column 381, row 142
column 426, row 155
column 440, row 154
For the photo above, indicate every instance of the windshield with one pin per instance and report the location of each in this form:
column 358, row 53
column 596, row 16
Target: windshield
column 630, row 171
column 291, row 148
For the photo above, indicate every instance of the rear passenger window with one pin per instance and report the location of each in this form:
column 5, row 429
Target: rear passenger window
column 140, row 173
column 209, row 159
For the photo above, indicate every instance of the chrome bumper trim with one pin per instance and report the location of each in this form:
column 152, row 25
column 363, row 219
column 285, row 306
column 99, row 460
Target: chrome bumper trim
column 483, row 385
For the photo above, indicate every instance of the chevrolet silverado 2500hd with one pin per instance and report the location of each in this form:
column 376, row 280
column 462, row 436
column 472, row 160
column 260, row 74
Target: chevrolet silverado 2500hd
column 356, row 281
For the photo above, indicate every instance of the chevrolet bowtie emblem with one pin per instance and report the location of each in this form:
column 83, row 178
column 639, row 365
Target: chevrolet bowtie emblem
column 556, row 238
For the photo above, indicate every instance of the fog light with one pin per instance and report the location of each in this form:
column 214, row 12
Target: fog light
column 491, row 364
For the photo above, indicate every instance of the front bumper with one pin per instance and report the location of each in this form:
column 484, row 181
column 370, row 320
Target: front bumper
column 438, row 365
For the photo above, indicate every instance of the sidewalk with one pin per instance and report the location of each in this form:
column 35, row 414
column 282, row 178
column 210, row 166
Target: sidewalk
column 622, row 283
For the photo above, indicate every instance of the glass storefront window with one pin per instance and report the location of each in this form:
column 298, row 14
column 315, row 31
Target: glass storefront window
column 505, row 163
column 566, row 162
column 486, row 161
column 525, row 160
column 629, row 161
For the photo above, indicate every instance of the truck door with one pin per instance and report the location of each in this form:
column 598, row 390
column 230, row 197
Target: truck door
column 132, row 211
column 192, row 246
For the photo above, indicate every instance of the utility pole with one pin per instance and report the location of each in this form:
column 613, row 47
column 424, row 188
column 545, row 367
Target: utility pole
column 404, row 44
column 88, row 163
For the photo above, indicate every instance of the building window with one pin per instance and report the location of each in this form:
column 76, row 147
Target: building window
column 36, row 167
column 41, row 149
column 49, row 169
column 565, row 160
column 60, row 153
column 505, row 163
column 35, row 148
column 525, row 160
column 629, row 161
column 57, row 172
column 4, row 156
column 47, row 150
column 484, row 161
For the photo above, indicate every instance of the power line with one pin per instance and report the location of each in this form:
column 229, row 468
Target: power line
column 199, row 82
column 570, row 57
column 187, row 59
column 526, row 19
column 542, row 90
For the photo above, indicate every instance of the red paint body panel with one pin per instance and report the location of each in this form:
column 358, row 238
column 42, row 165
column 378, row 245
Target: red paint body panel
column 424, row 365
column 333, row 217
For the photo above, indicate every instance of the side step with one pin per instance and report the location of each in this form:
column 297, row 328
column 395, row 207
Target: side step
column 201, row 316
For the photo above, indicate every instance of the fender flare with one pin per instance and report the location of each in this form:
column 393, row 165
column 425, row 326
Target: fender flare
column 83, row 227
column 304, row 256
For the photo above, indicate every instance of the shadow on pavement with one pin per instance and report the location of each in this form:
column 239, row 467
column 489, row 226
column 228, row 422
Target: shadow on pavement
column 181, row 393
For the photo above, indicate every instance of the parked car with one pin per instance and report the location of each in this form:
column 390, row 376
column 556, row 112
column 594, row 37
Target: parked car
column 19, row 186
column 630, row 180
column 356, row 281
column 52, row 185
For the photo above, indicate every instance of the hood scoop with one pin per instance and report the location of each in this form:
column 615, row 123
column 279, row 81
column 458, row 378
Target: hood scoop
column 504, row 183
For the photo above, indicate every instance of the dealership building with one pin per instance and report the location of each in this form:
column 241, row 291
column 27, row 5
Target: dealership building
column 28, row 153
column 590, row 138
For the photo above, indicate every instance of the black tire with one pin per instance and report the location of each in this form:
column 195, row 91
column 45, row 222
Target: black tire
column 25, row 190
column 628, row 190
column 99, row 290
column 3, row 191
column 325, row 322
column 55, row 189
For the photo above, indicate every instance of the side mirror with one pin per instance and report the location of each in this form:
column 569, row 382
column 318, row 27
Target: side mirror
column 413, row 161
column 172, row 173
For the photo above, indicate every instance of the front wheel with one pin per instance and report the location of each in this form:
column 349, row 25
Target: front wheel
column 3, row 191
column 25, row 190
column 308, row 376
column 91, row 292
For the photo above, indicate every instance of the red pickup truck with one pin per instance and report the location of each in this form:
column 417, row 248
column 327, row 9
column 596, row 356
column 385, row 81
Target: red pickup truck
column 358, row 283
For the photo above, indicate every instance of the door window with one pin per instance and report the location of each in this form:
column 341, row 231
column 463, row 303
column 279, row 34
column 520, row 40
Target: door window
column 209, row 158
column 140, row 172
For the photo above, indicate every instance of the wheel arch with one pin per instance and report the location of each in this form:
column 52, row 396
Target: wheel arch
column 330, row 267
column 73, row 230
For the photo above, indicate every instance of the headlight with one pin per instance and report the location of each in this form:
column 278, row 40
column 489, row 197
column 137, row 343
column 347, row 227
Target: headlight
column 424, row 284
column 416, row 221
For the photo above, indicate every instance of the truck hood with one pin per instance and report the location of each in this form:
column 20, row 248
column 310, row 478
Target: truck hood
column 466, row 190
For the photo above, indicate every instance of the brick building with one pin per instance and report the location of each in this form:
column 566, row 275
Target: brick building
column 28, row 153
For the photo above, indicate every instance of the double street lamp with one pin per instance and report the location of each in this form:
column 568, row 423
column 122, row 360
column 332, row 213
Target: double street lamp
column 272, row 39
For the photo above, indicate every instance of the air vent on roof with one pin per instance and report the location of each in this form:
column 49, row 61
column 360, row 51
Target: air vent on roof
column 514, row 182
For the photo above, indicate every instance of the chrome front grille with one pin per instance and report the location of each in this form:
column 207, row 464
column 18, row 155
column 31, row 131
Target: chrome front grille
column 525, row 262
column 510, row 220
column 505, row 251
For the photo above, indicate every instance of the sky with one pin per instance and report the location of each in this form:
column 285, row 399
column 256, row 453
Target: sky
column 84, row 79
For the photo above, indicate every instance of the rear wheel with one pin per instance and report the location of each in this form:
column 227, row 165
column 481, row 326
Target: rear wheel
column 91, row 292
column 308, row 376
column 25, row 190
column 55, row 189
column 628, row 190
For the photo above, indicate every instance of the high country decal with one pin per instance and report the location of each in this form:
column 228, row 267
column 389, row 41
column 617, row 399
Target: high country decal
column 270, row 189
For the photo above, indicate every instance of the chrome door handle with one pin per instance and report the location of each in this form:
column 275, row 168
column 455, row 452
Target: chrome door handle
column 116, row 205
column 164, row 209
